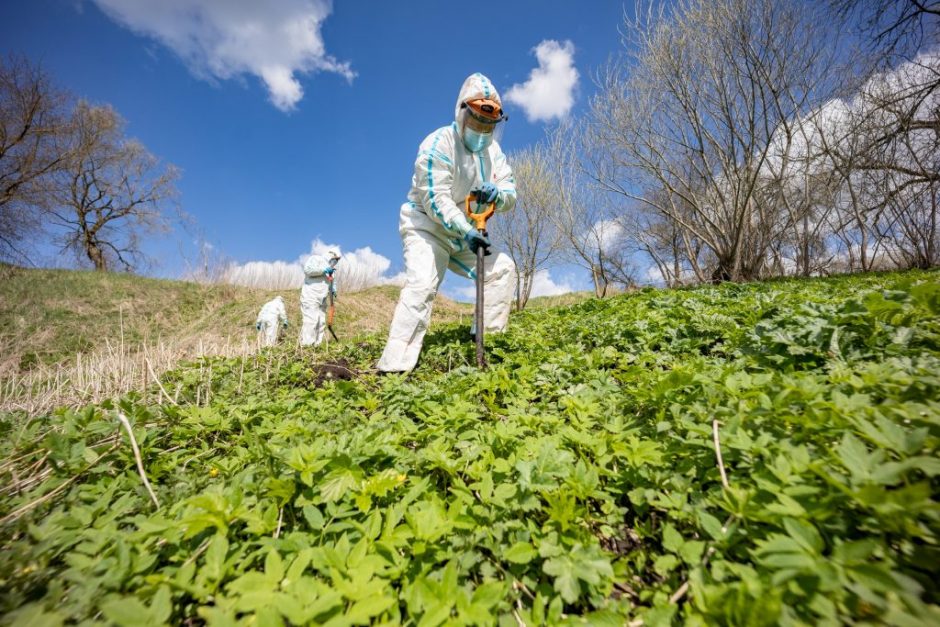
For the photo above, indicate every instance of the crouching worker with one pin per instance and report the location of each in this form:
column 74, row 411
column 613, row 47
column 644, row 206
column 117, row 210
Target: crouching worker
column 435, row 232
column 271, row 318
column 318, row 282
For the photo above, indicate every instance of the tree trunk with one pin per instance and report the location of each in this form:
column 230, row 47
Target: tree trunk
column 96, row 256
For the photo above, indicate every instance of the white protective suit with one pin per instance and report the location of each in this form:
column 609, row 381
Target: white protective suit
column 433, row 223
column 272, row 315
column 313, row 298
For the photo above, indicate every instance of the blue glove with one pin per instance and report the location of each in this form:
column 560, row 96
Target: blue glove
column 487, row 193
column 258, row 325
column 329, row 270
column 285, row 324
column 333, row 290
column 475, row 239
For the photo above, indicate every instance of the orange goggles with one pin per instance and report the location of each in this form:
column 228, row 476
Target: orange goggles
column 485, row 112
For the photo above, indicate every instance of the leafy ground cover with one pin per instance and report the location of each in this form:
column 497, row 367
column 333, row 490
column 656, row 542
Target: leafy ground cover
column 576, row 479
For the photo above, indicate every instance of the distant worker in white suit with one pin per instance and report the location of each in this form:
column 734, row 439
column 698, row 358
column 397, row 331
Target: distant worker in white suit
column 452, row 161
column 318, row 282
column 272, row 316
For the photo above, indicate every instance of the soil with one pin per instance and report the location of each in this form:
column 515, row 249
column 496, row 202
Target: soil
column 333, row 371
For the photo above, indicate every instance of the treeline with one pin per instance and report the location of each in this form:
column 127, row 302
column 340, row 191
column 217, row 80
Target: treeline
column 71, row 181
column 744, row 139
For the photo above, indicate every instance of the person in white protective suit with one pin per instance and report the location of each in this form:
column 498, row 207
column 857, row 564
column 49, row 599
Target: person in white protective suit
column 272, row 316
column 452, row 161
column 318, row 282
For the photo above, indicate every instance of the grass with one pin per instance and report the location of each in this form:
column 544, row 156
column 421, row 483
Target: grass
column 70, row 337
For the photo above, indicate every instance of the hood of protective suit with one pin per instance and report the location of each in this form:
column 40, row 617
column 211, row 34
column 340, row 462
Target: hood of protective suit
column 476, row 86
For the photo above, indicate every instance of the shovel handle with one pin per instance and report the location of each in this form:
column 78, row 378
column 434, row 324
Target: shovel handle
column 332, row 310
column 479, row 219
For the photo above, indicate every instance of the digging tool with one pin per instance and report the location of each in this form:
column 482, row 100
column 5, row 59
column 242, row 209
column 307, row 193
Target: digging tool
column 479, row 221
column 331, row 312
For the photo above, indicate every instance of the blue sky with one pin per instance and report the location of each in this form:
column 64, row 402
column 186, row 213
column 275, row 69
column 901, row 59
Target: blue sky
column 214, row 87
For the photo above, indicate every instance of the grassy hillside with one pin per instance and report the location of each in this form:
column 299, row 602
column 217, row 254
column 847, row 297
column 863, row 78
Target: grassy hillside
column 740, row 454
column 48, row 316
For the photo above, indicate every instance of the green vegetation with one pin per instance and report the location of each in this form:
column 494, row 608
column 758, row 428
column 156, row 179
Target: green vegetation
column 577, row 477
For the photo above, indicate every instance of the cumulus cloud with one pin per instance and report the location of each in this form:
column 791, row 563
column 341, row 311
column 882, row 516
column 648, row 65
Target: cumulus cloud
column 357, row 270
column 464, row 294
column 607, row 234
column 549, row 92
column 544, row 285
column 274, row 40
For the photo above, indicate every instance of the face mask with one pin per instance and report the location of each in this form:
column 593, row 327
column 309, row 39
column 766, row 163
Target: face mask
column 474, row 141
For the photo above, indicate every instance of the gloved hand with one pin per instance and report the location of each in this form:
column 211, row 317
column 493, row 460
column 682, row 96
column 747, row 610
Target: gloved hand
column 285, row 324
column 258, row 326
column 333, row 290
column 487, row 193
column 475, row 239
column 329, row 270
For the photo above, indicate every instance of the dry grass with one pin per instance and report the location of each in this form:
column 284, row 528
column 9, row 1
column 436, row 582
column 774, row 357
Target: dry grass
column 100, row 336
column 105, row 374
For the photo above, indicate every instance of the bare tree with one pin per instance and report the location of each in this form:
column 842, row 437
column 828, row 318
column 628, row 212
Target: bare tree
column 110, row 193
column 686, row 123
column 883, row 145
column 893, row 27
column 585, row 218
column 31, row 125
column 527, row 232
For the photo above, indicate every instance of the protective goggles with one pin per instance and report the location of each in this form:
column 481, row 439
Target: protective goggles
column 483, row 115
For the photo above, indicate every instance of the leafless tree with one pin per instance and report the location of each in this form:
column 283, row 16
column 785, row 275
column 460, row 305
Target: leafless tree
column 883, row 144
column 31, row 126
column 527, row 233
column 686, row 123
column 676, row 254
column 110, row 193
column 894, row 28
column 585, row 217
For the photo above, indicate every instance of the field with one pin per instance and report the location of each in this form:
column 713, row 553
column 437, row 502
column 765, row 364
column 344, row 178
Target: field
column 69, row 337
column 734, row 454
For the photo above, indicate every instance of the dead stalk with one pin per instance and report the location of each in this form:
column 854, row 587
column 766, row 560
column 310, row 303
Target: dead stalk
column 140, row 463
column 721, row 464
column 157, row 381
column 16, row 514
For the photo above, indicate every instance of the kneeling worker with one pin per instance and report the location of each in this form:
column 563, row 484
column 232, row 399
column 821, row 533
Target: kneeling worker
column 273, row 315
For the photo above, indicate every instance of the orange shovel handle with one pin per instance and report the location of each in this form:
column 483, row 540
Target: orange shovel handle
column 479, row 219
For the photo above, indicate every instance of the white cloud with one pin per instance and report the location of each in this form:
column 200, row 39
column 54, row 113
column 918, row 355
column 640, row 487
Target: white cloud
column 549, row 92
column 274, row 40
column 466, row 294
column 544, row 285
column 606, row 233
column 654, row 276
column 357, row 270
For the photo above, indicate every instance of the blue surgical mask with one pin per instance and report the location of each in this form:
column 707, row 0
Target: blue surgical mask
column 474, row 141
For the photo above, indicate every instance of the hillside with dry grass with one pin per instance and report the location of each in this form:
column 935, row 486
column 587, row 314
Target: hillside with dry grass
column 73, row 336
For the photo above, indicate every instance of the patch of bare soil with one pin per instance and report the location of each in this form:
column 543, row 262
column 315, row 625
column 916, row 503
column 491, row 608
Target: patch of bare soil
column 338, row 370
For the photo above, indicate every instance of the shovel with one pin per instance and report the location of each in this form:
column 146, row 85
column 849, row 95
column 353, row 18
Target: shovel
column 479, row 221
column 331, row 312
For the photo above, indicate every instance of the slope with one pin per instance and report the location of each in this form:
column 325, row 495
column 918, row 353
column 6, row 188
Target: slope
column 736, row 454
column 48, row 316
